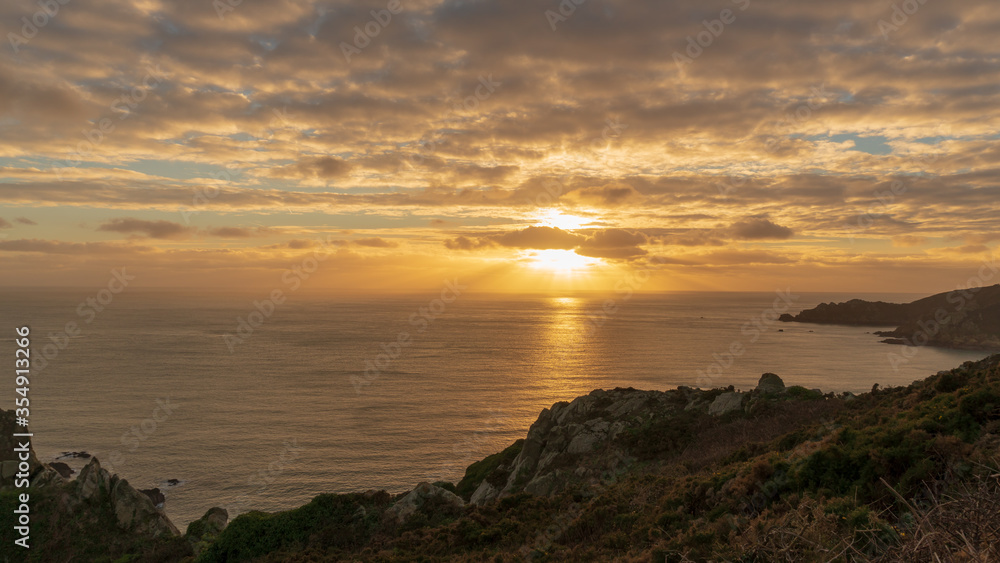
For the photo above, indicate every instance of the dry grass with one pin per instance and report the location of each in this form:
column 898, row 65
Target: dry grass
column 961, row 526
column 713, row 445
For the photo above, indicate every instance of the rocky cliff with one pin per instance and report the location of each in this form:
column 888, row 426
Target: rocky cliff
column 89, row 518
column 775, row 473
column 772, row 473
column 966, row 318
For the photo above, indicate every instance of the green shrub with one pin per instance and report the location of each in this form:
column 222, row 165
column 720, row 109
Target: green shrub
column 950, row 381
column 485, row 469
column 801, row 393
column 982, row 405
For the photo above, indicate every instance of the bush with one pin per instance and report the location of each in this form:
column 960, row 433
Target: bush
column 803, row 394
column 982, row 406
column 950, row 381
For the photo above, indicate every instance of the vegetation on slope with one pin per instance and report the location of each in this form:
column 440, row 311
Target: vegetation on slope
column 899, row 474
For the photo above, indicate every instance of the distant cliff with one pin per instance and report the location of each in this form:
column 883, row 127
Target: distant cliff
column 967, row 319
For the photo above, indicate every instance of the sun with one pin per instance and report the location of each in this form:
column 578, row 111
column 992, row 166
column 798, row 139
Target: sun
column 562, row 262
column 564, row 221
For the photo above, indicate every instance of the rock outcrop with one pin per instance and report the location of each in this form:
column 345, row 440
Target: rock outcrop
column 427, row 498
column 133, row 510
column 964, row 318
column 204, row 530
column 63, row 469
column 155, row 495
column 726, row 403
column 770, row 383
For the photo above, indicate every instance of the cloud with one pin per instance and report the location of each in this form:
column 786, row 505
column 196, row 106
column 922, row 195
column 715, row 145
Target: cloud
column 255, row 93
column 300, row 244
column 539, row 238
column 604, row 243
column 613, row 244
column 610, row 195
column 536, row 238
column 4, row 224
column 324, row 167
column 152, row 229
column 759, row 228
column 24, row 221
column 982, row 238
column 239, row 232
column 908, row 241
column 375, row 242
column 966, row 249
column 466, row 243
column 71, row 248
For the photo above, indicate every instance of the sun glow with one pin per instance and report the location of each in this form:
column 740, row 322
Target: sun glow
column 564, row 262
column 564, row 221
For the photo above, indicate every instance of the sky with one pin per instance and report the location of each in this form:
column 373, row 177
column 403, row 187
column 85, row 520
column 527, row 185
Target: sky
column 542, row 146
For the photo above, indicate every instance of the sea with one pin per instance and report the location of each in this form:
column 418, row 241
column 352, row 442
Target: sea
column 237, row 401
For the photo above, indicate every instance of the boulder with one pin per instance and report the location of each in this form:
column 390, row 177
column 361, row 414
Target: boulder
column 425, row 497
column 47, row 477
column 770, row 383
column 209, row 525
column 133, row 510
column 154, row 495
column 63, row 469
column 93, row 483
column 726, row 403
column 136, row 512
column 203, row 531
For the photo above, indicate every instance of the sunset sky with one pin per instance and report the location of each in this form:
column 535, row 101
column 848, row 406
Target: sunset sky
column 514, row 146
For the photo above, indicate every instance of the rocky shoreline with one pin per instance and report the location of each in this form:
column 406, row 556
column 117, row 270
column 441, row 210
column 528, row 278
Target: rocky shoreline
column 719, row 463
column 965, row 319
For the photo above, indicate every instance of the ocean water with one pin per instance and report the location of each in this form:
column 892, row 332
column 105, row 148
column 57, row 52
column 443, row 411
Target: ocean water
column 151, row 386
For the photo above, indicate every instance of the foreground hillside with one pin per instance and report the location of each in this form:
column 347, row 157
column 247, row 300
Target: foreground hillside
column 963, row 318
column 774, row 474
